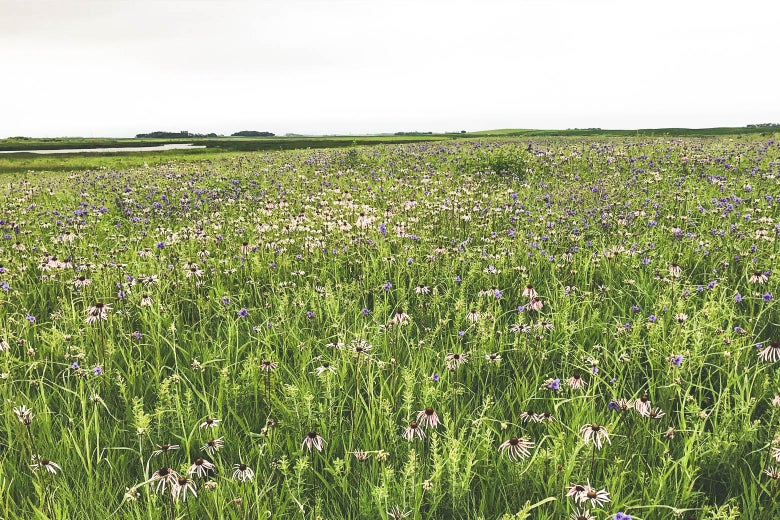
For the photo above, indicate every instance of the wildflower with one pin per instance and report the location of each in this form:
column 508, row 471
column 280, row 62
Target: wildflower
column 772, row 472
column 268, row 366
column 594, row 433
column 576, row 382
column 653, row 413
column 596, row 498
column 770, row 352
column 242, row 472
column 360, row 455
column 581, row 515
column 454, row 360
column 412, row 431
column 200, row 467
column 517, row 448
column 242, row 313
column 210, row 423
column 164, row 477
column 361, row 347
column 313, row 441
column 396, row 513
column 758, row 277
column 24, row 415
column 146, row 301
column 82, row 281
column 45, row 464
column 493, row 358
column 400, row 318
column 676, row 359
column 621, row 516
column 131, row 494
column 529, row 292
column 212, row 446
column 536, row 305
column 675, row 271
column 182, row 487
column 325, row 368
column 680, row 317
column 642, row 405
column 619, row 405
column 767, row 297
column 98, row 312
column 427, row 418
column 165, row 448
column 421, row 289
column 473, row 316
column 553, row 384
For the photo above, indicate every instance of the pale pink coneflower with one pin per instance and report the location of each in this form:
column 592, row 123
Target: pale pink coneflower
column 413, row 431
column 400, row 318
column 681, row 317
column 776, row 400
column 454, row 360
column 675, row 271
column 642, row 405
column 98, row 312
column 576, row 382
column 396, row 513
column 654, row 413
column 581, row 515
column 516, row 448
column 758, row 277
column 164, row 477
column 165, row 448
column 529, row 416
column 45, row 464
column 242, row 472
column 590, row 494
column 536, row 305
column 493, row 358
column 146, row 301
column 771, row 352
column 200, row 467
column 313, row 441
column 473, row 316
column 427, row 418
column 361, row 347
column 212, row 446
column 210, row 423
column 268, row 366
column 81, row 281
column 529, row 292
column 360, row 455
column 24, row 415
column 422, row 289
column 594, row 433
column 182, row 488
column 772, row 472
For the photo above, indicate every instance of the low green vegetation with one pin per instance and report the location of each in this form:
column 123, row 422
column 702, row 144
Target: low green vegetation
column 544, row 327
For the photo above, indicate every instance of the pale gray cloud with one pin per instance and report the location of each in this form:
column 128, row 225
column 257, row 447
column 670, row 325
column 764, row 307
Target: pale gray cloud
column 108, row 67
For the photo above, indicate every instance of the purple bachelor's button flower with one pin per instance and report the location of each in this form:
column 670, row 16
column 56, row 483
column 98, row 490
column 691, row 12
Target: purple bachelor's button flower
column 738, row 298
column 435, row 377
column 75, row 365
column 97, row 370
column 243, row 313
column 652, row 318
column 677, row 360
column 365, row 311
column 31, row 318
column 555, row 384
column 387, row 286
column 768, row 297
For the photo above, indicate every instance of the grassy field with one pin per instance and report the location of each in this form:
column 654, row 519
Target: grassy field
column 535, row 327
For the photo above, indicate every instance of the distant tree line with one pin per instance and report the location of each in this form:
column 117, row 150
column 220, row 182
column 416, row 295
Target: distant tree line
column 174, row 135
column 252, row 133
column 184, row 134
column 764, row 125
column 413, row 133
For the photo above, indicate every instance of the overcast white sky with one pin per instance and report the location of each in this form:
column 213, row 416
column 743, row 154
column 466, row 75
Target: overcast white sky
column 117, row 68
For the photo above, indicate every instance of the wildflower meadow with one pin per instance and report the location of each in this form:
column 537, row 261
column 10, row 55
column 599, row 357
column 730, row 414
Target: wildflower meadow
column 546, row 328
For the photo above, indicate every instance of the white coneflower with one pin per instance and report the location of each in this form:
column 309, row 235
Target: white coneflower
column 400, row 318
column 473, row 316
column 589, row 494
column 182, row 488
column 653, row 413
column 242, row 472
column 146, row 301
column 776, row 400
column 200, row 467
column 516, row 448
column 325, row 368
column 212, row 446
column 396, row 513
column 360, row 455
column 581, row 515
column 245, row 248
column 529, row 416
column 680, row 317
column 313, row 441
column 758, row 277
column 81, row 281
column 24, row 415
column 493, row 358
column 536, row 305
column 98, row 312
column 268, row 366
column 422, row 289
column 772, row 472
column 675, row 271
column 165, row 448
column 427, row 418
column 594, row 433
column 45, row 464
column 771, row 352
column 164, row 477
column 192, row 269
column 361, row 347
column 455, row 359
column 413, row 431
column 529, row 292
column 642, row 405
column 576, row 382
column 210, row 423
